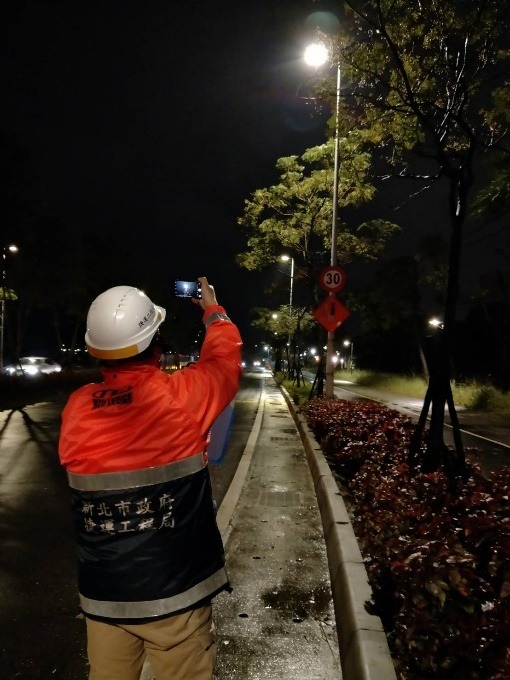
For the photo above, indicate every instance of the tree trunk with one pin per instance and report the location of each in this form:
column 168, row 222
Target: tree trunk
column 505, row 351
column 423, row 362
column 440, row 352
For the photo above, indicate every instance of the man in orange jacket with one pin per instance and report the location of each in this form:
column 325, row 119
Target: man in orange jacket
column 150, row 556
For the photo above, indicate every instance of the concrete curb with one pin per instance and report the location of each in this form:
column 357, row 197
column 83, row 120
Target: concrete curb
column 364, row 652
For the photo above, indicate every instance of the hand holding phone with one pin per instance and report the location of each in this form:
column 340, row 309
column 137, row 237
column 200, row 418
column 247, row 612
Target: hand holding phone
column 208, row 294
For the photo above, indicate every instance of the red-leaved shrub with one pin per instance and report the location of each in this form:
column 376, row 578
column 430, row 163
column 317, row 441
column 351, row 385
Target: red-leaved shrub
column 437, row 554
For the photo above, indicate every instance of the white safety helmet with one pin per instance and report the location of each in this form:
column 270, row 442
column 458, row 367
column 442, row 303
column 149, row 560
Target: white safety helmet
column 121, row 323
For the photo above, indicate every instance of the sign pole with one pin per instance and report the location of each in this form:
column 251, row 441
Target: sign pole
column 330, row 347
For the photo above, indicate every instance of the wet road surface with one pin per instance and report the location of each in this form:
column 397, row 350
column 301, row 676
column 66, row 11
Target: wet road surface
column 278, row 623
column 42, row 635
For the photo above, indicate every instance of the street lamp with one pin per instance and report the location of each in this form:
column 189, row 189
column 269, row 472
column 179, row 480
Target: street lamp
column 437, row 323
column 287, row 258
column 12, row 249
column 346, row 344
column 316, row 55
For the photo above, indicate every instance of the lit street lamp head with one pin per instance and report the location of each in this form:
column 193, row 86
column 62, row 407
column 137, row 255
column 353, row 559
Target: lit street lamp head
column 316, row 54
column 436, row 323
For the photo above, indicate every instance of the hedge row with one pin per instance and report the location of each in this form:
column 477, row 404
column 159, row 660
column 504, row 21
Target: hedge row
column 437, row 554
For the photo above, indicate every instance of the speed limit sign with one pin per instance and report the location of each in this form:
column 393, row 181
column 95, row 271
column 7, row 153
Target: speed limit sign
column 332, row 279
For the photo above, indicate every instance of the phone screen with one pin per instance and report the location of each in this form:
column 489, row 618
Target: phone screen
column 188, row 289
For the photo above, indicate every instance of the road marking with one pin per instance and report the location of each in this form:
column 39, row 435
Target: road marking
column 229, row 502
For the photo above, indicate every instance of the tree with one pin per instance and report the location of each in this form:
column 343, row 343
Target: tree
column 286, row 328
column 391, row 315
column 295, row 214
column 492, row 204
column 425, row 78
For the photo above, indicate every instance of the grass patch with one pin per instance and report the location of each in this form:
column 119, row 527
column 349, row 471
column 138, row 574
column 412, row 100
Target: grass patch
column 411, row 386
column 299, row 395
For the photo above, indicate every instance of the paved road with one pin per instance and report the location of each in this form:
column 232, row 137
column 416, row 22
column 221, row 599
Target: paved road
column 247, row 401
column 486, row 440
column 42, row 636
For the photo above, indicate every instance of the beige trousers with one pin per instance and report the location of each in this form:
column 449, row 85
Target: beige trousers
column 180, row 647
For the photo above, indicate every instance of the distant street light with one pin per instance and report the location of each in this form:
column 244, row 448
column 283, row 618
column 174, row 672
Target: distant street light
column 437, row 323
column 346, row 344
column 5, row 250
column 316, row 55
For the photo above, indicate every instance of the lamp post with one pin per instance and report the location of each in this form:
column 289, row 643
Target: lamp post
column 5, row 249
column 346, row 344
column 287, row 258
column 316, row 55
column 267, row 349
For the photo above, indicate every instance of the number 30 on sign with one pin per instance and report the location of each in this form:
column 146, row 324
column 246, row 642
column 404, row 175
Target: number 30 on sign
column 332, row 279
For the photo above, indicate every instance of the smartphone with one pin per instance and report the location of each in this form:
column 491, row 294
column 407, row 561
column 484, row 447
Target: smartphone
column 188, row 289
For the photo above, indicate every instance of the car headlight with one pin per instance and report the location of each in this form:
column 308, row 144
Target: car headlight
column 31, row 370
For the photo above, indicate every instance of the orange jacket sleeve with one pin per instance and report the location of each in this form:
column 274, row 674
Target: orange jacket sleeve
column 207, row 387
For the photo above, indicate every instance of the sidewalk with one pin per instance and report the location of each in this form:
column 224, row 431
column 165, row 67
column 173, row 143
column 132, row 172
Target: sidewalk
column 286, row 531
column 279, row 620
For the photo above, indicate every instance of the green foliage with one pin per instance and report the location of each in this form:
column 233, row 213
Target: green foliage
column 295, row 214
column 9, row 294
column 487, row 398
column 424, row 72
column 408, row 385
column 430, row 82
column 299, row 395
column 284, row 321
column 493, row 201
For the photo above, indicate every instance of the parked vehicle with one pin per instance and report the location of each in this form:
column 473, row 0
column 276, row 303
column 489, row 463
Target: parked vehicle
column 32, row 366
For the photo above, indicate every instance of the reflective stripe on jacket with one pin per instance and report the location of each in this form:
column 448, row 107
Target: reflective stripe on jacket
column 148, row 543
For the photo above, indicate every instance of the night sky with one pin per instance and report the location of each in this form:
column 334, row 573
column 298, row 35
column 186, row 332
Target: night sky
column 154, row 121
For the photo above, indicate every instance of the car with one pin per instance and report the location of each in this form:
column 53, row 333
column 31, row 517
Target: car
column 32, row 366
column 257, row 367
